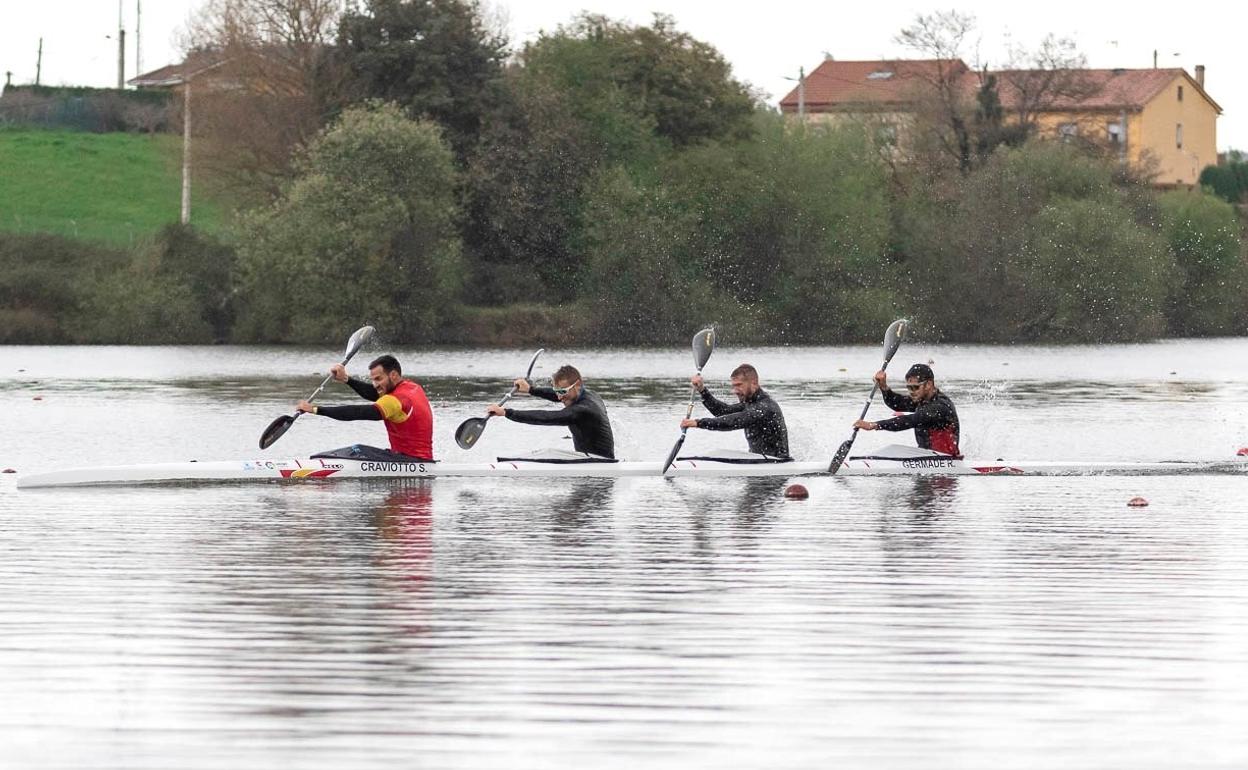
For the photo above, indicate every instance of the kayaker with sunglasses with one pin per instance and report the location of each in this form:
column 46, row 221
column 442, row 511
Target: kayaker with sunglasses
column 934, row 418
column 583, row 412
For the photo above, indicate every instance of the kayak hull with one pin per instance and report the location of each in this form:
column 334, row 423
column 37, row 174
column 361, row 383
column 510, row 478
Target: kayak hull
column 330, row 469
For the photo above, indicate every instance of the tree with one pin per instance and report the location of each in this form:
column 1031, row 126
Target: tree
column 365, row 232
column 438, row 59
column 266, row 83
column 944, row 108
column 587, row 98
column 1038, row 80
column 1203, row 235
column 659, row 73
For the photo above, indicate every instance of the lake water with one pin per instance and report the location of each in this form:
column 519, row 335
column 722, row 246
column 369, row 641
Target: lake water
column 459, row 623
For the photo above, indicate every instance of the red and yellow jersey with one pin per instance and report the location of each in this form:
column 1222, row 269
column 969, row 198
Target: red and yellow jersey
column 409, row 419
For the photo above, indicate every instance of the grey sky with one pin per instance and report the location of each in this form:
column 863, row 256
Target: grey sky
column 765, row 42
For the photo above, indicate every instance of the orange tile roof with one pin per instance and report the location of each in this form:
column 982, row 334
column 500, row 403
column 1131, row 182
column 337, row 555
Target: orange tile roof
column 884, row 83
column 857, row 82
column 1105, row 88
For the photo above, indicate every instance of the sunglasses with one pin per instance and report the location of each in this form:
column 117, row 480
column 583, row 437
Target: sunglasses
column 564, row 391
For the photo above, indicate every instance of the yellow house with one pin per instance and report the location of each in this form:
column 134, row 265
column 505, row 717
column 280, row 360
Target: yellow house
column 1159, row 120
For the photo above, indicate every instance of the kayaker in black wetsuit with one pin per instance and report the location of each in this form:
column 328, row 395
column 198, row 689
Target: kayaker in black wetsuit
column 583, row 412
column 934, row 418
column 755, row 412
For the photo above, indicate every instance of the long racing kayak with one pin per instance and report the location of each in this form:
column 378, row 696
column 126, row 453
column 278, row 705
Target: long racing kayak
column 887, row 461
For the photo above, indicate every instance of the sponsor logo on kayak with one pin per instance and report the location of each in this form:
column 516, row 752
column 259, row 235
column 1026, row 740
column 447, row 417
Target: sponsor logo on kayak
column 307, row 473
column 929, row 462
column 263, row 465
column 375, row 467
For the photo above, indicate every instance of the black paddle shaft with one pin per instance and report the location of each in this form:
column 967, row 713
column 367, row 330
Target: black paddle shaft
column 892, row 341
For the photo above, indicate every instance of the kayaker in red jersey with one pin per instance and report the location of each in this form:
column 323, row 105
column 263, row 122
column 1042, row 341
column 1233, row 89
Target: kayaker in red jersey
column 934, row 418
column 401, row 403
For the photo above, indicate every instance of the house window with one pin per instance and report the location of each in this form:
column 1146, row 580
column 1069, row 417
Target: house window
column 1115, row 133
column 880, row 75
column 1068, row 131
column 1178, row 136
column 1180, row 93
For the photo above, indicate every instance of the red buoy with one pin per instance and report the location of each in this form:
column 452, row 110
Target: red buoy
column 796, row 492
column 1137, row 502
column 38, row 398
column 1243, row 451
column 8, row 470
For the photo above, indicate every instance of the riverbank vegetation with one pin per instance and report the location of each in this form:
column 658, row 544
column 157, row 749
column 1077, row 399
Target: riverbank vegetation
column 615, row 184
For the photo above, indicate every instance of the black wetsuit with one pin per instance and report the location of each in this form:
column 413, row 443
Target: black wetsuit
column 586, row 418
column 935, row 422
column 759, row 415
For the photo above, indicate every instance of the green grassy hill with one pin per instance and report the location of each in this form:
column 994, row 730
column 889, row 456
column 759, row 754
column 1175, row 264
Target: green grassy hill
column 115, row 188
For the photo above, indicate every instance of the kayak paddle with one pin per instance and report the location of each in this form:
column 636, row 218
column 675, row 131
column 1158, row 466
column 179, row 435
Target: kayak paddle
column 470, row 430
column 703, row 346
column 892, row 341
column 282, row 424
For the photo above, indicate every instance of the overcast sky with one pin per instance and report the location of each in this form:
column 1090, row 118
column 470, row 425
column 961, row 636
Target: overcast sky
column 765, row 42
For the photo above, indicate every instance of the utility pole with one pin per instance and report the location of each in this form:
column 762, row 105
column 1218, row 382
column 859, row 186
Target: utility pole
column 138, row 37
column 39, row 62
column 186, row 150
column 121, row 49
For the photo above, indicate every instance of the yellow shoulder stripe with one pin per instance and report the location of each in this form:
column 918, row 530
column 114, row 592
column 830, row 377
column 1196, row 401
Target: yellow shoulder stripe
column 391, row 409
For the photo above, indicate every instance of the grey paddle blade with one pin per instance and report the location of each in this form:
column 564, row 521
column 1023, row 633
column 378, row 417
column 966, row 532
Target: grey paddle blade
column 275, row 430
column 703, row 346
column 529, row 374
column 892, row 338
column 469, row 431
column 841, row 454
column 358, row 340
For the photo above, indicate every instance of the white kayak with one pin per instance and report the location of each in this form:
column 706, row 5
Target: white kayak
column 887, row 461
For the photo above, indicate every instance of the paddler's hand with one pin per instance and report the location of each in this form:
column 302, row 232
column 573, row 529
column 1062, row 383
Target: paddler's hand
column 865, row 425
column 339, row 372
column 304, row 406
column 496, row 410
column 696, row 382
column 881, row 379
column 688, row 423
column 522, row 385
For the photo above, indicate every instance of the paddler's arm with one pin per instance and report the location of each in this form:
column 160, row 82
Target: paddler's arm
column 904, row 422
column 542, row 416
column 717, row 407
column 352, row 412
column 741, row 418
column 364, row 389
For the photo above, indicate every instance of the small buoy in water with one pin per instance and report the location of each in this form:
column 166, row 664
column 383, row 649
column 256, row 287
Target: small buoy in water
column 1243, row 451
column 8, row 470
column 842, row 369
column 1137, row 502
column 796, row 492
column 38, row 398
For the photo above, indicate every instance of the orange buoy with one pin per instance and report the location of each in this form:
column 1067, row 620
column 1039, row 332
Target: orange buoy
column 796, row 492
column 1137, row 502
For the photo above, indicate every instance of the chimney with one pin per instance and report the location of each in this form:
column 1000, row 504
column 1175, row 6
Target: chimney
column 1200, row 75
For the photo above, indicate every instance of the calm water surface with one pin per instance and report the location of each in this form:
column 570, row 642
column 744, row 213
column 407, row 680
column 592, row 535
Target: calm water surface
column 957, row 623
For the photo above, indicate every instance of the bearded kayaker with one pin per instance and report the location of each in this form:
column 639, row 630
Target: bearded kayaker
column 583, row 412
column 934, row 418
column 755, row 412
column 401, row 403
